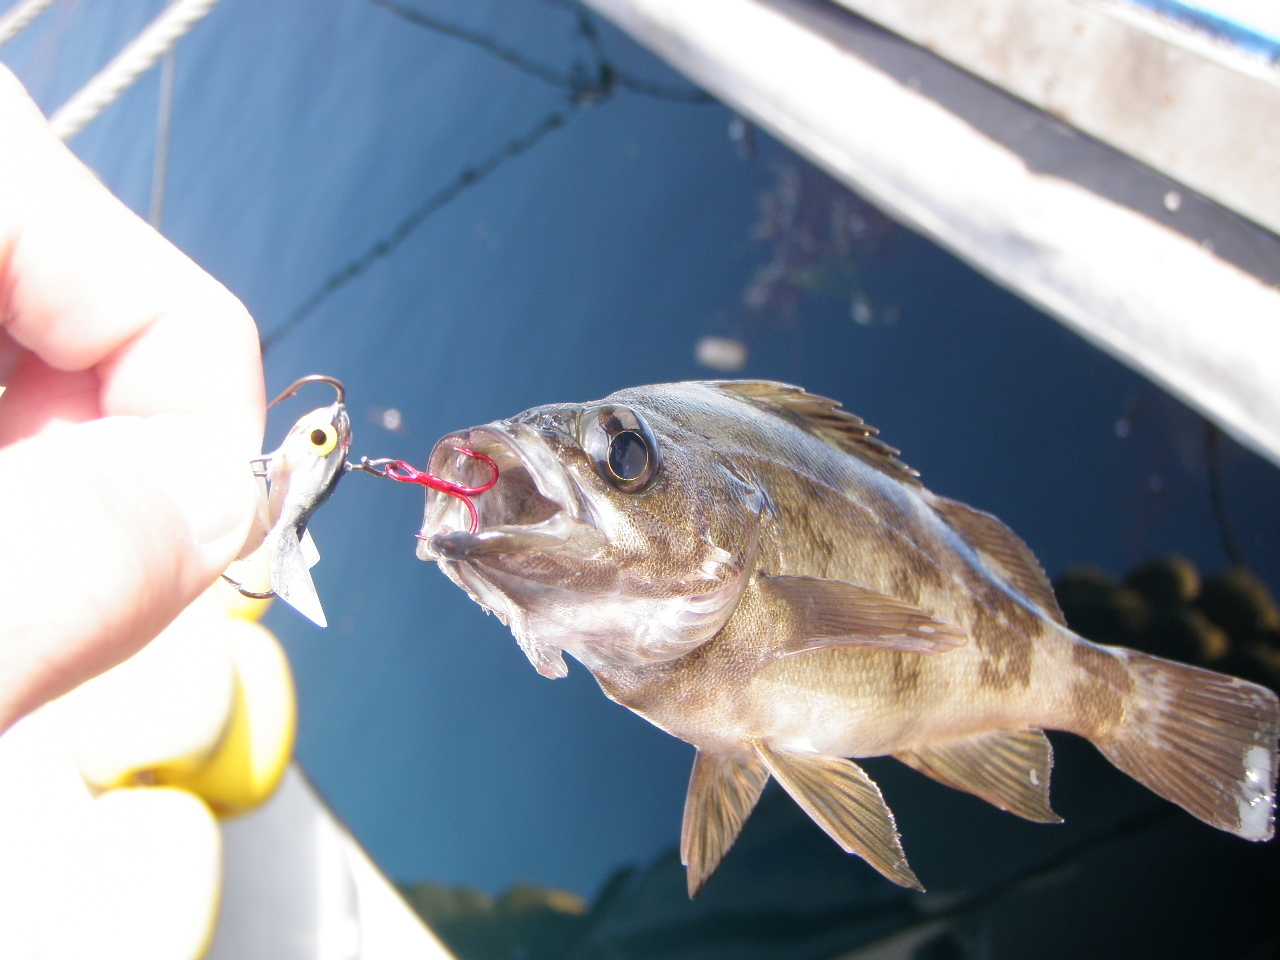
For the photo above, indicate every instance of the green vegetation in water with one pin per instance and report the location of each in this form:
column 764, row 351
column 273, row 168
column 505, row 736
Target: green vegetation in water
column 1228, row 621
column 524, row 923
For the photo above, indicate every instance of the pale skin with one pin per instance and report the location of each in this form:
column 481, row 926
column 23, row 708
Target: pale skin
column 134, row 399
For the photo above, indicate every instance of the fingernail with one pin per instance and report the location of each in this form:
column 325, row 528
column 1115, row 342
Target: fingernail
column 209, row 483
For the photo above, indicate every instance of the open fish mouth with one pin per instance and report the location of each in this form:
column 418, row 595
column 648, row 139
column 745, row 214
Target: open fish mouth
column 533, row 506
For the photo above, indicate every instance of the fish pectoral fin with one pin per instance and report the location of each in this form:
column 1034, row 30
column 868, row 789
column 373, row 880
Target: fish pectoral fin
column 722, row 793
column 1007, row 768
column 833, row 613
column 291, row 577
column 844, row 802
column 310, row 552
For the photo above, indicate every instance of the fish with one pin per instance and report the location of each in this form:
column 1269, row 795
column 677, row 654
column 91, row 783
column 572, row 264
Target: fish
column 750, row 568
column 301, row 474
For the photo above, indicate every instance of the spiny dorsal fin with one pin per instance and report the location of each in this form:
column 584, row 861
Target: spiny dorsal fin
column 1006, row 768
column 846, row 803
column 825, row 419
column 823, row 614
column 722, row 793
column 1003, row 550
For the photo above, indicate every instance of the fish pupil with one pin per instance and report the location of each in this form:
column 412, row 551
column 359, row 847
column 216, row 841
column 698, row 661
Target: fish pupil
column 628, row 455
column 318, row 437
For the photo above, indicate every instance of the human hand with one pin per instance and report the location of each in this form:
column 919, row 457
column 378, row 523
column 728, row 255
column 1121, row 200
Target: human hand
column 134, row 401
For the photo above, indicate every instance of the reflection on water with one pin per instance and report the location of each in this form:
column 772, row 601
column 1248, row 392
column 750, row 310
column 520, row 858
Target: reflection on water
column 815, row 240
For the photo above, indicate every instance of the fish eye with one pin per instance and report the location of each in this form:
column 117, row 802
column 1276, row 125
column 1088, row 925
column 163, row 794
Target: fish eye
column 623, row 449
column 628, row 456
column 323, row 438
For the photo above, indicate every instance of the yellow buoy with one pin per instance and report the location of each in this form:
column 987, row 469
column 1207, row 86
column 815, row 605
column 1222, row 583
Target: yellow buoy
column 166, row 707
column 247, row 765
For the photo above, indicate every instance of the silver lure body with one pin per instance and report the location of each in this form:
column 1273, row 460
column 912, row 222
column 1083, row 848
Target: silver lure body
column 302, row 474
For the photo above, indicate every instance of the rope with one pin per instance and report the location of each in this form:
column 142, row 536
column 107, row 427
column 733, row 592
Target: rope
column 132, row 62
column 160, row 168
column 19, row 16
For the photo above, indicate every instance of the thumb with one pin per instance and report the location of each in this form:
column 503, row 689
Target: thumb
column 109, row 529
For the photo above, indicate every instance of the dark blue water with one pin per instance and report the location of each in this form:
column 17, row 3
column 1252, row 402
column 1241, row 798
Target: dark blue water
column 304, row 131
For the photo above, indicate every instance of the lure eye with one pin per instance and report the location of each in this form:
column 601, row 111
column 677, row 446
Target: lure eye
column 322, row 438
column 623, row 449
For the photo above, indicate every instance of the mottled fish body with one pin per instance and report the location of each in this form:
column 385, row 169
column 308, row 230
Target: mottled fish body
column 745, row 565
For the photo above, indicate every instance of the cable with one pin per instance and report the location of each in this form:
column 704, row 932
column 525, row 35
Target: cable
column 19, row 17
column 467, row 178
column 133, row 61
column 587, row 85
column 164, row 117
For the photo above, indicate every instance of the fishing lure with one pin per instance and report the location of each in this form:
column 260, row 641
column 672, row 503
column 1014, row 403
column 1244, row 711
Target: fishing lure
column 404, row 473
column 301, row 475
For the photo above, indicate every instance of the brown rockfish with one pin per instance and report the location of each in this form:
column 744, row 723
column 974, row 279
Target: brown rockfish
column 746, row 566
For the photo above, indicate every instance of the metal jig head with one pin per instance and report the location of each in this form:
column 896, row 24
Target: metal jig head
column 301, row 473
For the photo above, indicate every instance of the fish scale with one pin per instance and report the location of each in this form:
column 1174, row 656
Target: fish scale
column 774, row 587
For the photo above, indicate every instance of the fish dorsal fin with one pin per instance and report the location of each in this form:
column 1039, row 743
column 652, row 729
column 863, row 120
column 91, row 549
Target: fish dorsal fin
column 291, row 578
column 823, row 614
column 825, row 419
column 844, row 802
column 722, row 793
column 1006, row 768
column 1002, row 549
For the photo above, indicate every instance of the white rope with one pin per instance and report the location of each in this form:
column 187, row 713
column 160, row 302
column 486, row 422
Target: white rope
column 19, row 16
column 132, row 62
column 164, row 117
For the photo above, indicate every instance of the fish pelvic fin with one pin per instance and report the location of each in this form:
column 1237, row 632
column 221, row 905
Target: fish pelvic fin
column 832, row 613
column 722, row 793
column 1003, row 552
column 291, row 577
column 845, row 802
column 1006, row 768
column 1200, row 739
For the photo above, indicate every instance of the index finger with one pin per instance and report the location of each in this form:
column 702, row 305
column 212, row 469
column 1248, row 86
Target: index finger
column 85, row 284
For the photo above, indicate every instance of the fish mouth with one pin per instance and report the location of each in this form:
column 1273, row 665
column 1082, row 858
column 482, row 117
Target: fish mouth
column 533, row 506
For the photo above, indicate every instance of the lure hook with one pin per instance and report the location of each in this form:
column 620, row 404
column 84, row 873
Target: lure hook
column 311, row 378
column 406, row 473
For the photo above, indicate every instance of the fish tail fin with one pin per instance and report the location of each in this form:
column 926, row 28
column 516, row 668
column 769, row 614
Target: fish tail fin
column 1200, row 739
column 291, row 577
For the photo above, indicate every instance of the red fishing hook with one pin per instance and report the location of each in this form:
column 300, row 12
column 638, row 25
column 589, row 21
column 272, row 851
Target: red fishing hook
column 406, row 473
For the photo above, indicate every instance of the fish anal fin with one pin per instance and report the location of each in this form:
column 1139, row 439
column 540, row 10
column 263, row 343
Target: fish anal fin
column 1200, row 739
column 1002, row 549
column 846, row 803
column 832, row 613
column 1007, row 768
column 722, row 793
column 291, row 577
